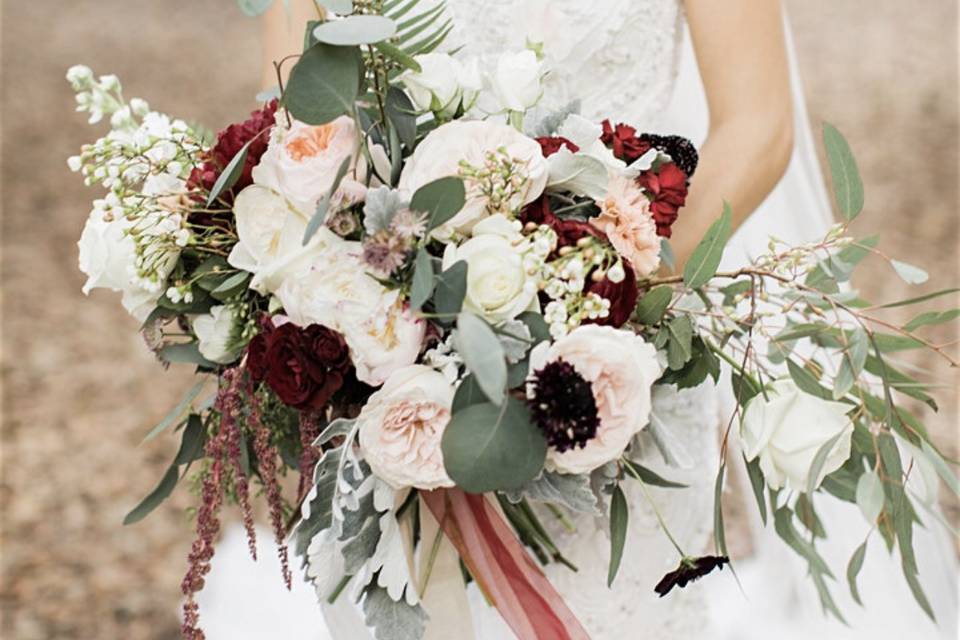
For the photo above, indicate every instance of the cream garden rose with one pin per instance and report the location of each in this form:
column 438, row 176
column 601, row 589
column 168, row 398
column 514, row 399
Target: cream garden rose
column 443, row 85
column 401, row 426
column 517, row 80
column 621, row 368
column 302, row 161
column 441, row 153
column 499, row 287
column 787, row 429
column 336, row 291
column 270, row 233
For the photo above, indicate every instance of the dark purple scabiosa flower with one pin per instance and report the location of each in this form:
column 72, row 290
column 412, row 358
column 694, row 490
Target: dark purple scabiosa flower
column 690, row 569
column 563, row 406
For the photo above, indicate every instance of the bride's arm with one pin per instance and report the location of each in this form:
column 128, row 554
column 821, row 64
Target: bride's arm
column 282, row 34
column 742, row 57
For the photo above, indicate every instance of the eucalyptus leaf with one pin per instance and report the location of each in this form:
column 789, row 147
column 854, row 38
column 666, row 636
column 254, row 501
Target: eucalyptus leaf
column 648, row 476
column 441, row 199
column 450, row 289
column 680, row 344
column 909, row 273
column 177, row 411
column 853, row 570
column 324, row 84
column 619, row 516
column 653, row 305
column 422, row 287
column 816, row 467
column 482, row 353
column 399, row 56
column 192, row 442
column 185, row 353
column 923, row 298
column 940, row 465
column 719, row 533
column 538, row 327
column 401, row 113
column 932, row 318
column 705, row 259
column 757, row 483
column 230, row 174
column 807, row 382
column 340, row 7
column 158, row 495
column 320, row 215
column 870, row 496
column 847, row 185
column 468, row 393
column 490, row 448
column 355, row 30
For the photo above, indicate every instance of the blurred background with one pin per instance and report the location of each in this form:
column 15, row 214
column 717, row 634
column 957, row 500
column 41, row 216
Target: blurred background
column 79, row 389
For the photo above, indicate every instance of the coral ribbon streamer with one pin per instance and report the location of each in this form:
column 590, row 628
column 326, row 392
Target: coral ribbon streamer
column 505, row 573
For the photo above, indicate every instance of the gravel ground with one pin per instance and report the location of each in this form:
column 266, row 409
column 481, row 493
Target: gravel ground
column 79, row 390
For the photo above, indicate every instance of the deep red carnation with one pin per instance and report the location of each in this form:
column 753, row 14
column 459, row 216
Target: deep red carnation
column 668, row 190
column 305, row 367
column 229, row 142
column 551, row 144
column 622, row 296
column 624, row 141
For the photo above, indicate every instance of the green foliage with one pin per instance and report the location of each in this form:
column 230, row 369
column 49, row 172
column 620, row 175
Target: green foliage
column 482, row 353
column 355, row 30
column 619, row 516
column 705, row 259
column 653, row 305
column 422, row 287
column 320, row 215
column 450, row 290
column 178, row 411
column 390, row 619
column 441, row 200
column 648, row 476
column 491, row 448
column 853, row 570
column 324, row 84
column 847, row 185
column 230, row 174
column 757, row 483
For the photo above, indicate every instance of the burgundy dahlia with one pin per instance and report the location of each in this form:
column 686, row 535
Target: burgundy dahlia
column 622, row 295
column 667, row 189
column 563, row 406
column 551, row 144
column 305, row 367
column 229, row 142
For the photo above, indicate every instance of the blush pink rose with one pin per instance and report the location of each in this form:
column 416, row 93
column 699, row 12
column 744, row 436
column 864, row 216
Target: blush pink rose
column 626, row 220
column 401, row 426
column 621, row 367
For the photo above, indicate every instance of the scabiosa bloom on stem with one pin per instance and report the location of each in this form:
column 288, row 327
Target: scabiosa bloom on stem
column 563, row 406
column 690, row 569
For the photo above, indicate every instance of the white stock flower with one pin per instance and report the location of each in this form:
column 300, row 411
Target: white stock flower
column 214, row 332
column 787, row 430
column 516, row 80
column 401, row 426
column 621, row 369
column 498, row 285
column 336, row 292
column 302, row 161
column 270, row 238
column 441, row 153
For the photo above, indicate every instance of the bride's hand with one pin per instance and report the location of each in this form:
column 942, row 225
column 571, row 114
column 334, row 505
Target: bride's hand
column 742, row 57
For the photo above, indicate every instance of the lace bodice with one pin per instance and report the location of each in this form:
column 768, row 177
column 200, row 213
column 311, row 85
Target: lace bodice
column 618, row 57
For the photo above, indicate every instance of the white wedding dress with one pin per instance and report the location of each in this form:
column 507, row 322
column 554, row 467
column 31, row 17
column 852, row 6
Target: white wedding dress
column 622, row 60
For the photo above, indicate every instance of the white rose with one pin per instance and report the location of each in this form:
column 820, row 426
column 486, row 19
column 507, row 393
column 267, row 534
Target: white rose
column 214, row 332
column 336, row 292
column 443, row 84
column 443, row 150
column 516, row 80
column 621, row 368
column 498, row 285
column 302, row 161
column 787, row 430
column 270, row 238
column 401, row 426
column 108, row 258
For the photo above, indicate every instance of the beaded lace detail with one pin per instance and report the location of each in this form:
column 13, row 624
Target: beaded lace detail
column 618, row 57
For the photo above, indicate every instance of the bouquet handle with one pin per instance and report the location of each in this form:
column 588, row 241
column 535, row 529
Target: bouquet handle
column 506, row 574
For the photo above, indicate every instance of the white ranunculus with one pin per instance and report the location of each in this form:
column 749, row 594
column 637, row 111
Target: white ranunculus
column 401, row 426
column 498, row 285
column 441, row 153
column 443, row 84
column 383, row 335
column 214, row 332
column 108, row 258
column 270, row 234
column 621, row 368
column 302, row 161
column 516, row 80
column 787, row 430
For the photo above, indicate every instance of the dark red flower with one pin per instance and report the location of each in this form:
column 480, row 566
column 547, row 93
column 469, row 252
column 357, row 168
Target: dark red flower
column 568, row 230
column 305, row 367
column 229, row 142
column 668, row 190
column 622, row 296
column 690, row 570
column 624, row 141
column 551, row 144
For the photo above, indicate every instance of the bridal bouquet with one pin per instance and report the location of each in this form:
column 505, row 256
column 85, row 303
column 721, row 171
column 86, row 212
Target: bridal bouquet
column 445, row 310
